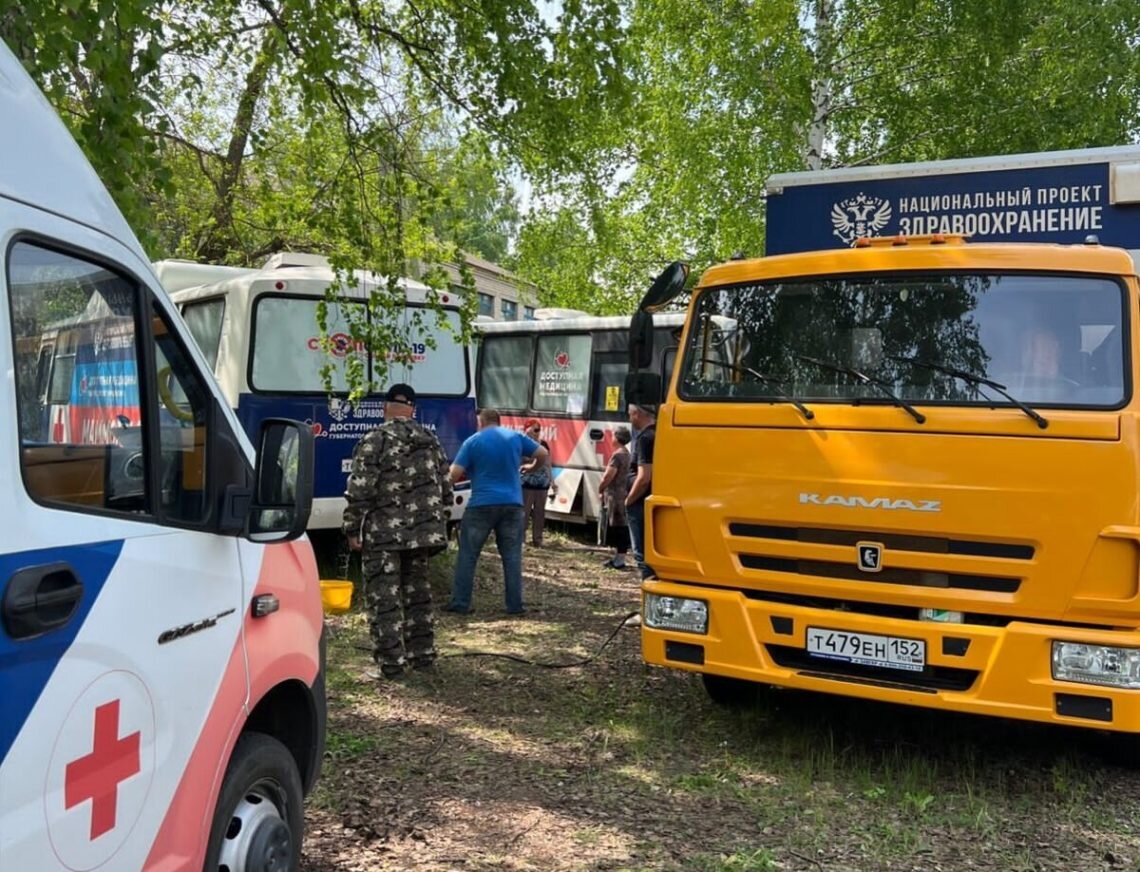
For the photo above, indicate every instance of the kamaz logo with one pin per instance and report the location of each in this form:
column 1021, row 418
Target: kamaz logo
column 873, row 503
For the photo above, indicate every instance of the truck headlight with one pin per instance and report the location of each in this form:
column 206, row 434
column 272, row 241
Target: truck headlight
column 1096, row 664
column 676, row 613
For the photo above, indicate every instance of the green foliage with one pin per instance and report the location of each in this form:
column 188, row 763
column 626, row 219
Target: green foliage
column 728, row 92
column 228, row 129
column 923, row 80
column 646, row 129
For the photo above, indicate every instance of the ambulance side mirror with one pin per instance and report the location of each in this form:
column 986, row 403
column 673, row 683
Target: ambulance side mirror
column 283, row 482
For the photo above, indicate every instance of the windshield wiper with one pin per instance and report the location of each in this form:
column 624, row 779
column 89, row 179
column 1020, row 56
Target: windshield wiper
column 883, row 387
column 779, row 386
column 975, row 379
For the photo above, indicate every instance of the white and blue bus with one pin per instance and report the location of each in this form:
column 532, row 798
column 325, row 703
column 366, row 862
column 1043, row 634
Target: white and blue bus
column 257, row 328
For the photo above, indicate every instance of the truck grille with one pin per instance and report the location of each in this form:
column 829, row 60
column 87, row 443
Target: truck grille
column 851, row 572
column 891, row 541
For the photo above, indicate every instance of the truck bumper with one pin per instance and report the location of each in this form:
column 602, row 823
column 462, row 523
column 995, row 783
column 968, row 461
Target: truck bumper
column 1001, row 671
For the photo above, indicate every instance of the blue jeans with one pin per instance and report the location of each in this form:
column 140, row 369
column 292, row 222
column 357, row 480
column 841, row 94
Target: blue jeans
column 478, row 522
column 636, row 516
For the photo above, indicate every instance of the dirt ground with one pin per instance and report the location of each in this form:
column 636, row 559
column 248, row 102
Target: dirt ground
column 488, row 763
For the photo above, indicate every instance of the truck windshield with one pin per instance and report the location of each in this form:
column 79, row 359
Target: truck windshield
column 1052, row 341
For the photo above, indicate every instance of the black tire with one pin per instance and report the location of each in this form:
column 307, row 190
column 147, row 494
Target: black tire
column 259, row 820
column 731, row 692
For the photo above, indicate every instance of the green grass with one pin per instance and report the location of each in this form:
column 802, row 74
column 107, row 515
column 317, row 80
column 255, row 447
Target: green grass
column 345, row 746
column 760, row 860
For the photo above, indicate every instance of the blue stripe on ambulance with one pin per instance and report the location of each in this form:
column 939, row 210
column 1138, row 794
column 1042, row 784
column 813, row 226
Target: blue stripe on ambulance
column 27, row 664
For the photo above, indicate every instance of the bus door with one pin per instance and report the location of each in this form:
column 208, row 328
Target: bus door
column 607, row 405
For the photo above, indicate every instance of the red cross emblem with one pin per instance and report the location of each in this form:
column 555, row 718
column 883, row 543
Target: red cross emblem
column 97, row 775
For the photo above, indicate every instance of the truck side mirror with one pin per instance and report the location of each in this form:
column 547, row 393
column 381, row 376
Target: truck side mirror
column 283, row 482
column 643, row 388
column 665, row 288
column 640, row 340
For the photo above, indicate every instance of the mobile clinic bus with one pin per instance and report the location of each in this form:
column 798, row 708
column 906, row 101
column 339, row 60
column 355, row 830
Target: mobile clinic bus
column 161, row 633
column 567, row 369
column 258, row 331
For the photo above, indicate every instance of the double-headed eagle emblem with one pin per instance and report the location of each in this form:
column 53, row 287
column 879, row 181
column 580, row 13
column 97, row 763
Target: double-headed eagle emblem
column 860, row 216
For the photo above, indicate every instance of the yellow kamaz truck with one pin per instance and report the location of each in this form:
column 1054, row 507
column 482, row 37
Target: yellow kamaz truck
column 905, row 465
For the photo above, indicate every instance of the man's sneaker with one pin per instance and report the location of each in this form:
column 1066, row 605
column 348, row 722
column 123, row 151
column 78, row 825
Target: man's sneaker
column 517, row 613
column 633, row 621
column 457, row 610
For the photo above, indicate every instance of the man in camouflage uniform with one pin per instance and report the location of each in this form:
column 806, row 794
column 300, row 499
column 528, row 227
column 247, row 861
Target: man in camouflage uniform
column 399, row 497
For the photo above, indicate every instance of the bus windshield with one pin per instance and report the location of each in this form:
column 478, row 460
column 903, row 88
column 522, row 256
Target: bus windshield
column 1048, row 340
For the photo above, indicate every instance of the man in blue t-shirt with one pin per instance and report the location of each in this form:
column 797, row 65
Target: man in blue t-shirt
column 491, row 460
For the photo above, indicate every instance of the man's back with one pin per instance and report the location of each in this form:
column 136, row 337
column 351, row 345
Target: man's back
column 491, row 459
column 399, row 487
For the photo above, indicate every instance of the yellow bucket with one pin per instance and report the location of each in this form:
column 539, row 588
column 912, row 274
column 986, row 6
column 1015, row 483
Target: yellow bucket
column 336, row 596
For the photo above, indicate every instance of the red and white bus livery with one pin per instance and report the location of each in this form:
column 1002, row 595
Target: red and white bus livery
column 567, row 369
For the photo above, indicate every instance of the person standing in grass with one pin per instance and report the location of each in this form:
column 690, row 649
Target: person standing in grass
column 398, row 499
column 613, row 490
column 537, row 481
column 491, row 459
column 643, row 419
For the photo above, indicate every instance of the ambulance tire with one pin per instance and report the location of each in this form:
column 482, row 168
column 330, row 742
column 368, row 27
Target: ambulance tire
column 259, row 821
column 731, row 692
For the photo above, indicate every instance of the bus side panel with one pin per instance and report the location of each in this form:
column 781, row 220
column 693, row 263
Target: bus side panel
column 338, row 426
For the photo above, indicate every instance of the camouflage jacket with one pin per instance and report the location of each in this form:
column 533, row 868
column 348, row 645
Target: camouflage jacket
column 399, row 494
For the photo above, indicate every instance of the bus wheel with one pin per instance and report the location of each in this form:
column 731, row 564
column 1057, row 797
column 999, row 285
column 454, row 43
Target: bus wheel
column 259, row 820
column 731, row 692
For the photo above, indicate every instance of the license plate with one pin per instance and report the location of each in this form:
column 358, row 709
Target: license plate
column 867, row 649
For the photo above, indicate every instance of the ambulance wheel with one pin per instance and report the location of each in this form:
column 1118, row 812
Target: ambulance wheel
column 731, row 692
column 259, row 821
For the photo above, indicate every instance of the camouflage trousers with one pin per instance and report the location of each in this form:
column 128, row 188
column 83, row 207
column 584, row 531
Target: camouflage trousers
column 398, row 596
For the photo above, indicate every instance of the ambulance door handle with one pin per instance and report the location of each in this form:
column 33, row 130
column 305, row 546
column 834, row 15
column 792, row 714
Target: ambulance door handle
column 596, row 434
column 40, row 598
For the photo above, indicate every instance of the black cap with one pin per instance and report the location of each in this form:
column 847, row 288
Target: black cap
column 401, row 393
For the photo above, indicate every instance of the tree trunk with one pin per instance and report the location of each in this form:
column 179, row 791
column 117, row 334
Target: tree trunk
column 821, row 91
column 221, row 236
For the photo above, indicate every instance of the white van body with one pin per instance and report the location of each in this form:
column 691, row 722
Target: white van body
column 156, row 664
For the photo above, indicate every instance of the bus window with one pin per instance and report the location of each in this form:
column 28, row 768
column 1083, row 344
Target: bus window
column 205, row 322
column 562, row 373
column 610, row 369
column 287, row 357
column 504, row 382
column 439, row 371
column 63, row 368
column 43, row 371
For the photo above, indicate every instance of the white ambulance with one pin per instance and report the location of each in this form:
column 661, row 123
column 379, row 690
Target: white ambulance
column 162, row 696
